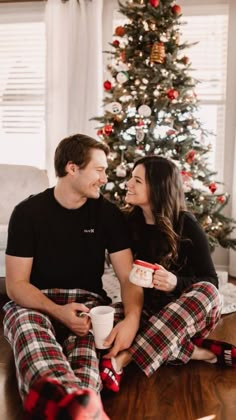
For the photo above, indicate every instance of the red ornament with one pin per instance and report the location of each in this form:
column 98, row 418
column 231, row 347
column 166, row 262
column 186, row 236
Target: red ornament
column 172, row 94
column 120, row 31
column 100, row 132
column 116, row 43
column 185, row 60
column 221, row 199
column 176, row 9
column 122, row 56
column 170, row 132
column 187, row 180
column 107, row 129
column 154, row 3
column 190, row 156
column 140, row 123
column 212, row 187
column 186, row 173
column 107, row 85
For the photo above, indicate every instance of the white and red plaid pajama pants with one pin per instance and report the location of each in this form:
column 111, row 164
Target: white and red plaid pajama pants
column 163, row 337
column 166, row 336
column 43, row 347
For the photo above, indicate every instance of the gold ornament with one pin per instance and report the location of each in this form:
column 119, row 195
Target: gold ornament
column 207, row 220
column 158, row 53
column 118, row 117
column 152, row 26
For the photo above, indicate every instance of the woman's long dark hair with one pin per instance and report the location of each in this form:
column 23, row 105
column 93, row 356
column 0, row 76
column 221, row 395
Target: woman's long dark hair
column 167, row 201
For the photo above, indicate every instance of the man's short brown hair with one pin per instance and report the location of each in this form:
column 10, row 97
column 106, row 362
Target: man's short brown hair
column 76, row 149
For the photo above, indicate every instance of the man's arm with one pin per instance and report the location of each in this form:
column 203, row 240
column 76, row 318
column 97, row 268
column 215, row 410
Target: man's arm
column 132, row 298
column 25, row 294
column 132, row 295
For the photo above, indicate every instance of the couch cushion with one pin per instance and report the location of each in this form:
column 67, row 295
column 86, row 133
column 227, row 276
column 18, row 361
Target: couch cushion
column 3, row 236
column 17, row 183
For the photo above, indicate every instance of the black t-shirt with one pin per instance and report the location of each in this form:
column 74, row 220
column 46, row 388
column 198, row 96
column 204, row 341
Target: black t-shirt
column 194, row 262
column 67, row 246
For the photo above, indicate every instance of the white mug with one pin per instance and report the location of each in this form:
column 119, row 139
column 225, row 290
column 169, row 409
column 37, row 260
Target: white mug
column 102, row 319
column 142, row 273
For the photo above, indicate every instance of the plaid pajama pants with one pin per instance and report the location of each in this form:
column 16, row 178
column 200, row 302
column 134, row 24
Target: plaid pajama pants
column 43, row 347
column 163, row 337
column 166, row 335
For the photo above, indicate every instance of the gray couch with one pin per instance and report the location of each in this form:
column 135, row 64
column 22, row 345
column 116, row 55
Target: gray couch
column 17, row 182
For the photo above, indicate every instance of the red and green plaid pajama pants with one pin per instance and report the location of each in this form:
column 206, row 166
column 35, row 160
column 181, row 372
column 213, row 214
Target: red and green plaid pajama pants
column 163, row 337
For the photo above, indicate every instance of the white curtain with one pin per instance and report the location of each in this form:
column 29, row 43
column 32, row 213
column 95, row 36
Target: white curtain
column 74, row 70
column 232, row 254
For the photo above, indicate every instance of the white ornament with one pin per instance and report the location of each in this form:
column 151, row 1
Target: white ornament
column 121, row 171
column 144, row 111
column 109, row 186
column 139, row 135
column 127, row 98
column 122, row 77
column 163, row 38
column 164, row 72
column 122, row 67
column 122, row 185
column 113, row 107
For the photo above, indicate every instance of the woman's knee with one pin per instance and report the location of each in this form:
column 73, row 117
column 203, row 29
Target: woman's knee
column 208, row 290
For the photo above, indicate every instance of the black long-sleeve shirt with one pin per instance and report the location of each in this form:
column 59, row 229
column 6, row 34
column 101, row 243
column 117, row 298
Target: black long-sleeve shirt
column 194, row 262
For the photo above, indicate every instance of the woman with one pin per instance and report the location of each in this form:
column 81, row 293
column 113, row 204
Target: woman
column 184, row 304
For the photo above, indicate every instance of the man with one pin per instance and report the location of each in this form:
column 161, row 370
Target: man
column 54, row 263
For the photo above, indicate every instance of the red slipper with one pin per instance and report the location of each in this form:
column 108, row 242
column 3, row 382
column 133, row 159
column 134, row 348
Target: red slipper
column 48, row 400
column 110, row 378
column 225, row 352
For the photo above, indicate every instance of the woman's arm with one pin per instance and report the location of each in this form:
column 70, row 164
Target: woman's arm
column 195, row 253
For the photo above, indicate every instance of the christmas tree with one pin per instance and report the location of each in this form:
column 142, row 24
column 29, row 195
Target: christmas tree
column 150, row 107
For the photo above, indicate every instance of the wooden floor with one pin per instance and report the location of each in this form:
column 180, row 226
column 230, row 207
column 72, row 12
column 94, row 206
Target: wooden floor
column 185, row 392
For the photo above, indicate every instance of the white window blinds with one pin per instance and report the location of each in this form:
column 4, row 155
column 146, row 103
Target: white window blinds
column 209, row 56
column 22, row 83
column 207, row 24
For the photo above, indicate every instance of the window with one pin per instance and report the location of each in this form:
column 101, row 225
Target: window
column 22, row 83
column 208, row 26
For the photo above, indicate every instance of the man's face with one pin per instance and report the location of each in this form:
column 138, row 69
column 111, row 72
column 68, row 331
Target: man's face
column 87, row 181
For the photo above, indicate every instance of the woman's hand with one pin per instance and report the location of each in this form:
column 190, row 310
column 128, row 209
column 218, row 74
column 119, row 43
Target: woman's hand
column 164, row 280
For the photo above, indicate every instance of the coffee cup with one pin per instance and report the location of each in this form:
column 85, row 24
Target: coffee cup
column 142, row 273
column 102, row 320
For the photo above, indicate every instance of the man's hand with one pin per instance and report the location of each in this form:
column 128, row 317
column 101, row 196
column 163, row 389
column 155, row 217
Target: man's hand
column 69, row 316
column 122, row 336
column 164, row 280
